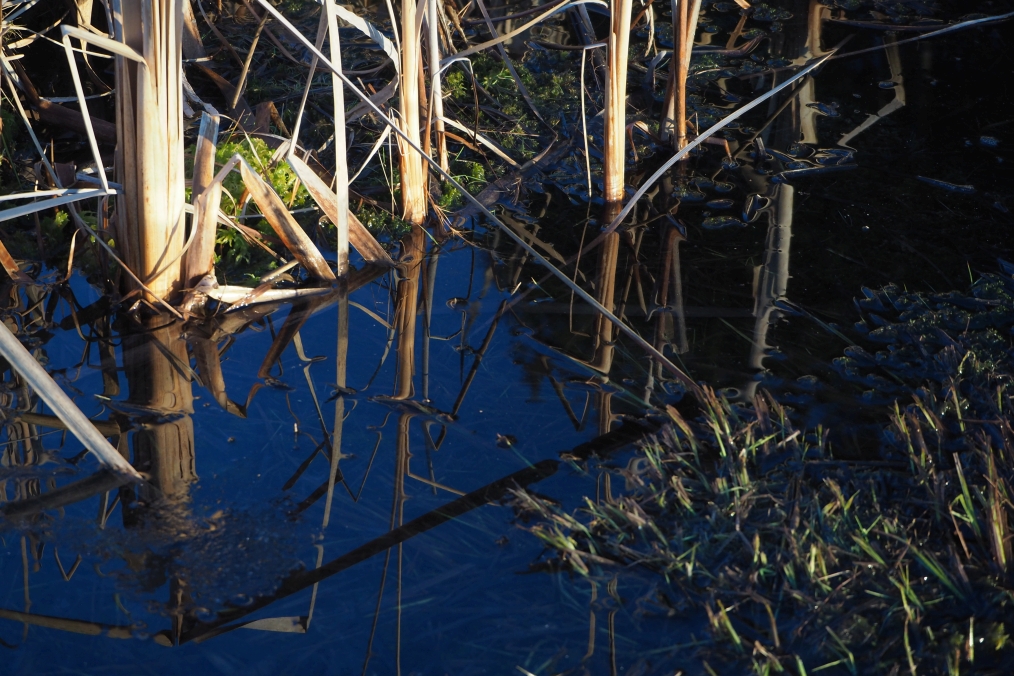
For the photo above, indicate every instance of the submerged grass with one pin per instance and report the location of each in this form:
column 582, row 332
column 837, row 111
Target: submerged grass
column 800, row 562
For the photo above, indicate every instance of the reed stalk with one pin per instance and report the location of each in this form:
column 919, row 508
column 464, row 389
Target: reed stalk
column 413, row 177
column 149, row 150
column 341, row 150
column 436, row 91
column 616, row 100
column 684, row 27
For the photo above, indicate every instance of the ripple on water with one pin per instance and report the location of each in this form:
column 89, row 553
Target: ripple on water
column 720, row 204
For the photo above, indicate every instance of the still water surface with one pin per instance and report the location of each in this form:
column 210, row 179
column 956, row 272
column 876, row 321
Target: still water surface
column 468, row 366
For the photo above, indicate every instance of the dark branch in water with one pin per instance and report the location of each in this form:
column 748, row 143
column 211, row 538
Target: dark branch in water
column 300, row 581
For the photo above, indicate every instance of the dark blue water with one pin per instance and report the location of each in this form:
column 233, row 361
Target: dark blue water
column 242, row 511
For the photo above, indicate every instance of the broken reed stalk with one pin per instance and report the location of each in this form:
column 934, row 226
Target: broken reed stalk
column 616, row 100
column 149, row 148
column 206, row 196
column 413, row 178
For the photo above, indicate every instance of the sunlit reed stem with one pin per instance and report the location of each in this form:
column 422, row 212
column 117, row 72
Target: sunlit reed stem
column 340, row 144
column 436, row 91
column 149, row 149
column 616, row 99
column 413, row 178
column 684, row 27
column 690, row 14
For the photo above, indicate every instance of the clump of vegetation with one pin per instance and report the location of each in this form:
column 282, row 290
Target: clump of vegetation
column 278, row 174
column 384, row 225
column 800, row 561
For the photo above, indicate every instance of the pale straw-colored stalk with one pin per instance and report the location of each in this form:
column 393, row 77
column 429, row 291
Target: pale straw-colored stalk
column 340, row 144
column 149, row 150
column 436, row 91
column 616, row 101
column 413, row 177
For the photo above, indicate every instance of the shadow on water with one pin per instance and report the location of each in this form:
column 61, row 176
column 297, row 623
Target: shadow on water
column 315, row 471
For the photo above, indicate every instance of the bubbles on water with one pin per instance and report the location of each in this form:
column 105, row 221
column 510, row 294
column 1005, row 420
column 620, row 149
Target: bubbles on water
column 720, row 204
column 729, row 163
column 721, row 222
column 989, row 141
column 797, row 165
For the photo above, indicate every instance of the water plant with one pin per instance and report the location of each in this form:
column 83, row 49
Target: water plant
column 796, row 555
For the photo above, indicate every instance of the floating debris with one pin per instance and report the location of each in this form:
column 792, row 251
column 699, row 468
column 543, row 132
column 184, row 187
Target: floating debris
column 753, row 205
column 506, row 440
column 828, row 109
column 811, row 171
column 721, row 222
column 949, row 187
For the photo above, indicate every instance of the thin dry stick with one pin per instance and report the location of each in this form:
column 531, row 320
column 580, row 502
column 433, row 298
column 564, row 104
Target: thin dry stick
column 510, row 67
column 584, row 127
column 246, row 64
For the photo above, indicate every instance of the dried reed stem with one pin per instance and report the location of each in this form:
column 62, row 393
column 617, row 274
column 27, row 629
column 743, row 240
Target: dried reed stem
column 616, row 100
column 436, row 91
column 341, row 151
column 684, row 27
column 413, row 178
column 149, row 150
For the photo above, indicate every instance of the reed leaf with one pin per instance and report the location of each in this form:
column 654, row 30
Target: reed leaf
column 79, row 425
